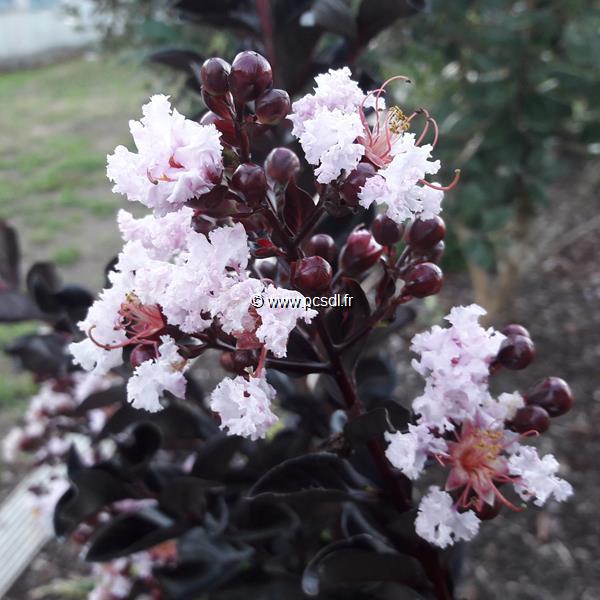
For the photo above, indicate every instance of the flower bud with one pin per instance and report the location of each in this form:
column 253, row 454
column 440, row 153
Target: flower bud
column 311, row 275
column 386, row 231
column 435, row 253
column 238, row 361
column 250, row 181
column 424, row 234
column 141, row 353
column 487, row 512
column 250, row 76
column 423, row 279
column 282, row 165
column 214, row 75
column 218, row 104
column 530, row 418
column 553, row 394
column 322, row 245
column 513, row 330
column 225, row 127
column 272, row 106
column 516, row 353
column 360, row 252
column 354, row 182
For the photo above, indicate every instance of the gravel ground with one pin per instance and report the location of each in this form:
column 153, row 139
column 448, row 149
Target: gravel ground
column 552, row 553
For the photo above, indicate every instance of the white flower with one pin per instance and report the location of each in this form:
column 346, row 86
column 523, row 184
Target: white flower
column 537, row 476
column 334, row 90
column 455, row 363
column 439, row 523
column 162, row 237
column 244, row 406
column 328, row 123
column 232, row 306
column 153, row 377
column 395, row 185
column 328, row 141
column 208, row 268
column 409, row 451
column 277, row 322
column 177, row 160
column 505, row 407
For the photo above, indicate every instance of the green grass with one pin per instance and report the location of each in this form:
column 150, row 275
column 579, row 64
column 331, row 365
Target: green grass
column 66, row 256
column 14, row 386
column 57, row 125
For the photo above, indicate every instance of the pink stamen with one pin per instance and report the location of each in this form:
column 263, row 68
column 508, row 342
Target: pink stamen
column 141, row 323
column 261, row 361
column 444, row 188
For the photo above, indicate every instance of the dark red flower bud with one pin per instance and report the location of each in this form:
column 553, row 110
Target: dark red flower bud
column 553, row 394
column 30, row 443
column 238, row 361
column 354, row 182
column 214, row 75
column 530, row 418
column 516, row 352
column 311, row 275
column 488, row 512
column 386, row 231
column 360, row 252
column 322, row 245
column 220, row 105
column 435, row 253
column 513, row 330
column 423, row 235
column 423, row 279
column 141, row 353
column 226, row 127
column 272, row 106
column 282, row 164
column 250, row 76
column 250, row 181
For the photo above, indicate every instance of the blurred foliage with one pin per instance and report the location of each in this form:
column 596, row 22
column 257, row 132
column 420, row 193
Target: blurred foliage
column 511, row 84
column 507, row 80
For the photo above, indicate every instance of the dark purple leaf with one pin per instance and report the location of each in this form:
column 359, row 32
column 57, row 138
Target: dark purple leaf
column 182, row 60
column 43, row 283
column 297, row 207
column 128, row 533
column 116, row 394
column 368, row 426
column 313, row 477
column 91, row 489
column 10, row 258
column 335, row 16
column 44, row 355
column 376, row 15
column 357, row 560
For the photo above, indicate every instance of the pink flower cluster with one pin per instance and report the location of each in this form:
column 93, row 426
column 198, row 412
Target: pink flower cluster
column 336, row 135
column 47, row 425
column 464, row 428
column 172, row 282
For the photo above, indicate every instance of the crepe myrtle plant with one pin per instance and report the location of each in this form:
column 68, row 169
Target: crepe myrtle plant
column 298, row 475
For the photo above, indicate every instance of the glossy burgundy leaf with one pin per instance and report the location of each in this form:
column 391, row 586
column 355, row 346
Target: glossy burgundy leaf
column 298, row 206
